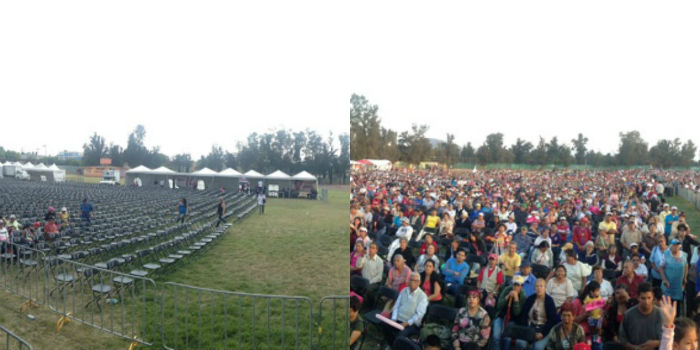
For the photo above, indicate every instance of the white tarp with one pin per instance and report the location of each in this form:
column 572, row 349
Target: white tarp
column 228, row 172
column 253, row 174
column 205, row 172
column 140, row 170
column 278, row 175
column 162, row 171
column 304, row 176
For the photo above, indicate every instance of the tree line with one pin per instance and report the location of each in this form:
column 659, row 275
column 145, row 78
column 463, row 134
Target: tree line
column 286, row 150
column 369, row 139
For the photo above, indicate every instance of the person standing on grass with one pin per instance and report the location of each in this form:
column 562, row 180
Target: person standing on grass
column 182, row 210
column 261, row 202
column 220, row 211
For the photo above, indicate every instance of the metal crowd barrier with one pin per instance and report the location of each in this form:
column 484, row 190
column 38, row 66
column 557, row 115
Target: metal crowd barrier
column 334, row 329
column 114, row 302
column 690, row 196
column 14, row 342
column 206, row 318
column 22, row 272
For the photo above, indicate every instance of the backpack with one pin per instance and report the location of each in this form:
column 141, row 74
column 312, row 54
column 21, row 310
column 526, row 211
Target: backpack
column 440, row 331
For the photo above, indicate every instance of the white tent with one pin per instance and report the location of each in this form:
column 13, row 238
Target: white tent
column 228, row 172
column 54, row 167
column 163, row 171
column 140, row 170
column 277, row 175
column 205, row 172
column 253, row 174
column 27, row 165
column 304, row 176
column 41, row 166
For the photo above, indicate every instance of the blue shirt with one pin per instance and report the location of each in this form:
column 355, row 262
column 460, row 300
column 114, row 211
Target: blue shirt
column 529, row 285
column 183, row 209
column 669, row 221
column 451, row 267
column 86, row 208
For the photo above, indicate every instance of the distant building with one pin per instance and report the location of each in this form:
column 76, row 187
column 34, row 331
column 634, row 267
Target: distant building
column 65, row 155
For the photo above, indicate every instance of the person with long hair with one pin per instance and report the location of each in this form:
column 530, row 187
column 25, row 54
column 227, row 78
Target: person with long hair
column 431, row 282
column 560, row 288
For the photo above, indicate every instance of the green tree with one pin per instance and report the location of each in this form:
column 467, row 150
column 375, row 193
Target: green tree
column 633, row 149
column 539, row 154
column 580, row 148
column 136, row 152
column 95, row 149
column 687, row 154
column 414, row 147
column 521, row 151
column 182, row 162
column 467, row 155
column 365, row 128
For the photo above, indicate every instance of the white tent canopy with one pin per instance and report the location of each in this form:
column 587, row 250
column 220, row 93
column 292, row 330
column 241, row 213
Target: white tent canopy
column 278, row 175
column 163, row 171
column 304, row 176
column 205, row 172
column 41, row 166
column 253, row 174
column 54, row 167
column 228, row 172
column 140, row 170
column 27, row 165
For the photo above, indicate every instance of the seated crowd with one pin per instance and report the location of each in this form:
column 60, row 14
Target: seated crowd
column 28, row 233
column 523, row 260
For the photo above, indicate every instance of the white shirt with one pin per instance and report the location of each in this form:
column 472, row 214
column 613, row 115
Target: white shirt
column 406, row 299
column 642, row 270
column 606, row 289
column 559, row 292
column 575, row 273
column 372, row 268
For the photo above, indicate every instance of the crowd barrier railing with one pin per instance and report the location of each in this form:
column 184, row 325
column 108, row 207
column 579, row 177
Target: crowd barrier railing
column 12, row 341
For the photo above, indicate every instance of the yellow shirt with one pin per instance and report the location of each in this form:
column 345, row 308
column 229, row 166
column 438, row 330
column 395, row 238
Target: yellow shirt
column 431, row 221
column 510, row 264
column 597, row 313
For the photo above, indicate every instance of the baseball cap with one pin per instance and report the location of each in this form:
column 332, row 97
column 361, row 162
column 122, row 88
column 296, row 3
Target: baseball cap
column 518, row 280
column 493, row 256
column 675, row 241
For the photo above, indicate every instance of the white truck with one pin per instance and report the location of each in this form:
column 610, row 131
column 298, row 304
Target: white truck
column 110, row 177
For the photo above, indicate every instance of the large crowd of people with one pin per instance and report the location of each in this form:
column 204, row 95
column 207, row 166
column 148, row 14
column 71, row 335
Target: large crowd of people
column 550, row 259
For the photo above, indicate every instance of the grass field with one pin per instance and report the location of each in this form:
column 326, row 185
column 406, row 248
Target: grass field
column 295, row 249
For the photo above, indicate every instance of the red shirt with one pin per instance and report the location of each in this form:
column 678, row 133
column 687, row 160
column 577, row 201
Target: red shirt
column 632, row 287
column 424, row 247
column 428, row 289
column 581, row 235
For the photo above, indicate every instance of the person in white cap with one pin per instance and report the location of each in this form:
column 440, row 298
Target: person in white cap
column 64, row 216
column 670, row 219
column 405, row 231
column 12, row 222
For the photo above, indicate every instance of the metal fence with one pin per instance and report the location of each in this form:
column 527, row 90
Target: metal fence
column 22, row 272
column 333, row 322
column 117, row 303
column 691, row 196
column 12, row 341
column 206, row 318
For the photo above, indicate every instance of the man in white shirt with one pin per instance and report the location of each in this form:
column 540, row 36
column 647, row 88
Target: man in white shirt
column 408, row 311
column 639, row 268
column 405, row 231
column 372, row 265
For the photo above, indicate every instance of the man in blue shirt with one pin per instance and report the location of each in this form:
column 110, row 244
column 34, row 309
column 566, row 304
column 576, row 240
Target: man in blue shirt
column 455, row 271
column 86, row 210
column 528, row 278
column 670, row 218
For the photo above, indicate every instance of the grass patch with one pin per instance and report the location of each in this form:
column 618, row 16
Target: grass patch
column 295, row 249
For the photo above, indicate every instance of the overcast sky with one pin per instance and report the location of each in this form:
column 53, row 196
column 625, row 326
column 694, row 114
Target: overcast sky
column 193, row 73
column 198, row 73
column 530, row 68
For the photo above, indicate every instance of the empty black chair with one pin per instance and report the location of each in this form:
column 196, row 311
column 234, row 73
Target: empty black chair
column 403, row 343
